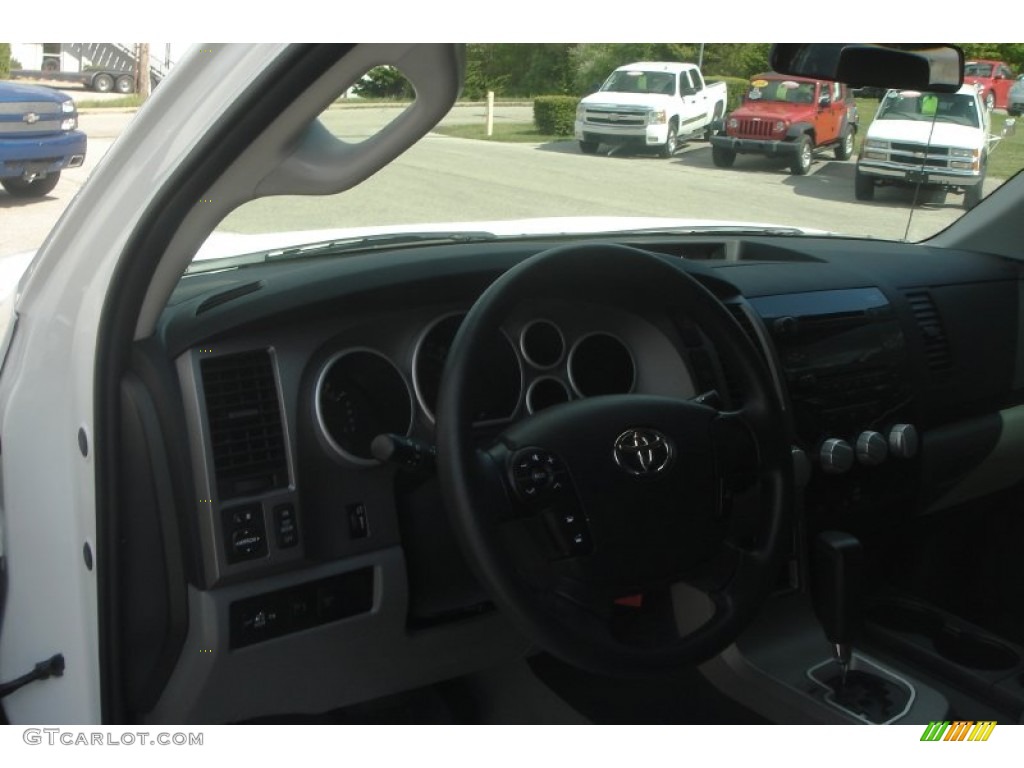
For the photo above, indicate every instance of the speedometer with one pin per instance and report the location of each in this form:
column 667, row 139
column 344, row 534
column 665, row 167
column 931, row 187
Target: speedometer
column 497, row 385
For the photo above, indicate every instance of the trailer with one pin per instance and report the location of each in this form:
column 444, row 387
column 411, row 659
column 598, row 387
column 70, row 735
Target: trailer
column 101, row 80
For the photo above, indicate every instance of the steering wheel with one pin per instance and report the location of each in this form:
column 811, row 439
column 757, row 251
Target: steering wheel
column 626, row 534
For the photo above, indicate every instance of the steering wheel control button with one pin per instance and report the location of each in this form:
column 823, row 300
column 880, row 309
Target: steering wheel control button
column 903, row 441
column 872, row 448
column 643, row 453
column 358, row 522
column 286, row 526
column 836, row 456
column 245, row 537
column 537, row 474
column 570, row 530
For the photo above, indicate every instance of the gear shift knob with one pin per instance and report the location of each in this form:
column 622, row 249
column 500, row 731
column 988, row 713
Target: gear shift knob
column 838, row 560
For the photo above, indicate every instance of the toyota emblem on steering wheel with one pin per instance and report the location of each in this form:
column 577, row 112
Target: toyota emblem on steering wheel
column 643, row 452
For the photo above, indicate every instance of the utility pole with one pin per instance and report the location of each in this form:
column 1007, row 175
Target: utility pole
column 142, row 83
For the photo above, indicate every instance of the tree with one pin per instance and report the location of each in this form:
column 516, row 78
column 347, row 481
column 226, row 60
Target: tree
column 5, row 61
column 384, row 83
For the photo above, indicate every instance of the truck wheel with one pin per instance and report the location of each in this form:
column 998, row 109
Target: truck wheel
column 103, row 83
column 863, row 187
column 35, row 188
column 973, row 195
column 589, row 147
column 125, row 84
column 801, row 164
column 722, row 158
column 710, row 130
column 990, row 101
column 671, row 142
column 844, row 149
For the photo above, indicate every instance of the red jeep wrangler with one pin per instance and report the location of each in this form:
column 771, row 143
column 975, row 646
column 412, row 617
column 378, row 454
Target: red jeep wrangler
column 789, row 117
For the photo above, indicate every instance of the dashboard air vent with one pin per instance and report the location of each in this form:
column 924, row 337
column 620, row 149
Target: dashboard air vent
column 245, row 424
column 936, row 345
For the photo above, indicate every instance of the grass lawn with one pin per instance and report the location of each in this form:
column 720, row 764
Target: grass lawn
column 132, row 100
column 509, row 132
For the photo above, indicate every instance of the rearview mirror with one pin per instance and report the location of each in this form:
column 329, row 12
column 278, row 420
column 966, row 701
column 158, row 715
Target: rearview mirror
column 923, row 67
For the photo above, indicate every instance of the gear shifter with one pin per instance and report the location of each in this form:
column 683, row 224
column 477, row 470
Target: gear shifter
column 836, row 591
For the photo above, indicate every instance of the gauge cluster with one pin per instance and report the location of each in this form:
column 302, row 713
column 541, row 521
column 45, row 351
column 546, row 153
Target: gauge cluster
column 539, row 359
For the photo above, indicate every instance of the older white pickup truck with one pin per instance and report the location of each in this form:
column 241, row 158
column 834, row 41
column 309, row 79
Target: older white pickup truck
column 650, row 104
column 941, row 141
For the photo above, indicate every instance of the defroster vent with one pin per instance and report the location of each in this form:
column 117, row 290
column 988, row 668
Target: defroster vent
column 933, row 335
column 245, row 424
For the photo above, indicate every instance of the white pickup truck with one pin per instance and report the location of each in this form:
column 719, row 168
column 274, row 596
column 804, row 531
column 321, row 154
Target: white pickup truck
column 941, row 141
column 650, row 104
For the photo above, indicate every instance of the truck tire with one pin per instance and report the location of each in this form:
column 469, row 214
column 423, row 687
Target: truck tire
column 103, row 83
column 844, row 149
column 589, row 147
column 863, row 187
column 125, row 84
column 722, row 158
column 35, row 188
column 715, row 117
column 801, row 164
column 973, row 195
column 671, row 142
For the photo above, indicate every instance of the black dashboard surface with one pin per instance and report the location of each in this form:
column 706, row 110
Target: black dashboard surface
column 860, row 337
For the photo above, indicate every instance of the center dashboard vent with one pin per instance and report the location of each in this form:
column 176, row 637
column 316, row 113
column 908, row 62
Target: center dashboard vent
column 933, row 335
column 244, row 416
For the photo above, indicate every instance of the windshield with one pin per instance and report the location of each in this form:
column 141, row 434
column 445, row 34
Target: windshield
column 788, row 91
column 958, row 108
column 639, row 81
column 974, row 69
column 546, row 160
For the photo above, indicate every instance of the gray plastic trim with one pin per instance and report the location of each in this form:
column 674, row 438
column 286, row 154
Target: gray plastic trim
column 322, row 668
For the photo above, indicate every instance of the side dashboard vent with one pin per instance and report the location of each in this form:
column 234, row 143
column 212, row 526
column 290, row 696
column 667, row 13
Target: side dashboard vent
column 245, row 424
column 933, row 335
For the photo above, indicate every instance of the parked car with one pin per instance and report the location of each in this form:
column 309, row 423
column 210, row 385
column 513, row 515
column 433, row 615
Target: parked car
column 284, row 440
column 993, row 79
column 1015, row 98
column 38, row 138
column 649, row 104
column 791, row 118
column 919, row 138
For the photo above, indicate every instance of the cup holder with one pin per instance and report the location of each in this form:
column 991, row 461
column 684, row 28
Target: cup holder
column 958, row 645
column 907, row 618
column 971, row 650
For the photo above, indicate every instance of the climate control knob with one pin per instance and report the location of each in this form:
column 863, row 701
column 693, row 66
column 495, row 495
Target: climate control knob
column 835, row 456
column 872, row 448
column 903, row 441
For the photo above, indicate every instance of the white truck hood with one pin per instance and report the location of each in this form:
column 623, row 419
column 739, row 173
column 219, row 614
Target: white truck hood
column 226, row 244
column 617, row 99
column 924, row 132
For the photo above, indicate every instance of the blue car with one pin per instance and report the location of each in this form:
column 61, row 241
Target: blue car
column 38, row 138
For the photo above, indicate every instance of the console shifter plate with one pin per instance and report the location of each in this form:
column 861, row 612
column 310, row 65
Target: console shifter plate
column 872, row 694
